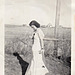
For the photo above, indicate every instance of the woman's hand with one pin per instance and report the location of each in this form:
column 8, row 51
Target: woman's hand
column 41, row 51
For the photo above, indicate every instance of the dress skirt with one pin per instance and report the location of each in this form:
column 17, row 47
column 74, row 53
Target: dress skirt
column 37, row 64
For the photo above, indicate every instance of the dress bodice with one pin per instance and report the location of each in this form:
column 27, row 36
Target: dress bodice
column 36, row 38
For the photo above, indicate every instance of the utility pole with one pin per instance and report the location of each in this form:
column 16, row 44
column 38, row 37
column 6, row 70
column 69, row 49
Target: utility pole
column 57, row 18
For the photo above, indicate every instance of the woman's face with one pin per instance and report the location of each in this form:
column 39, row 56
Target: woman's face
column 34, row 27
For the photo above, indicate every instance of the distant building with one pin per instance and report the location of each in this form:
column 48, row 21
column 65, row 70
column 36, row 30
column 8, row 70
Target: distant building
column 24, row 24
column 49, row 25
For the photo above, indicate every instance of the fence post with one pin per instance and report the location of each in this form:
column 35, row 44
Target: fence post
column 56, row 27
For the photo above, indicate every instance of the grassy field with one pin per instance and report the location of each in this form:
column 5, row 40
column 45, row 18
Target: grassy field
column 18, row 39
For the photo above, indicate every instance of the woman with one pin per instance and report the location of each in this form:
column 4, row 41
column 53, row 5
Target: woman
column 37, row 64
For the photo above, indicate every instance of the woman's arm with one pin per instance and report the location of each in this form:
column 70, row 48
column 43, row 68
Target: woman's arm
column 42, row 45
column 41, row 41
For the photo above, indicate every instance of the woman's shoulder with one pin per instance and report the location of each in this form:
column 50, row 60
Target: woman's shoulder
column 40, row 32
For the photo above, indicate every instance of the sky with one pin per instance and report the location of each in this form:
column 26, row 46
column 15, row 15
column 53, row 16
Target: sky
column 19, row 12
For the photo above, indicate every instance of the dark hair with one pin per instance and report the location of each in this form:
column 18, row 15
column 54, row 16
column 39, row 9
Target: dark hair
column 35, row 23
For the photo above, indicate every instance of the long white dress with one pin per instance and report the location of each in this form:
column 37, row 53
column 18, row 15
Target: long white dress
column 37, row 64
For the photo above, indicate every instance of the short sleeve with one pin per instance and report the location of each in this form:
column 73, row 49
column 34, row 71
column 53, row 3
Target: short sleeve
column 41, row 34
